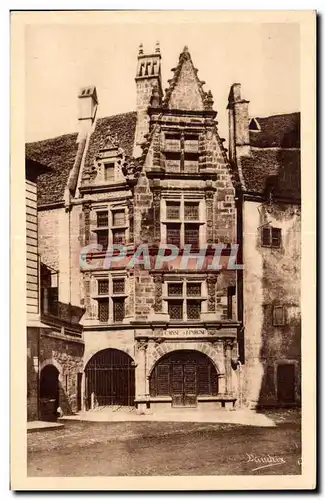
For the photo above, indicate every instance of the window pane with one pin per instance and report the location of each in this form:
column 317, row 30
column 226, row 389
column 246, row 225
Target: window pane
column 103, row 310
column 276, row 237
column 192, row 236
column 191, row 211
column 175, row 310
column 194, row 289
column 119, row 218
column 175, row 289
column 173, row 234
column 119, row 286
column 173, row 210
column 118, row 310
column 103, row 287
column 102, row 239
column 118, row 236
column 102, row 219
column 278, row 315
column 193, row 309
column 109, row 171
column 266, row 236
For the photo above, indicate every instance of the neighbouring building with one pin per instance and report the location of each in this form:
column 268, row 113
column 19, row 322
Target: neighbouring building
column 169, row 335
column 265, row 153
column 54, row 335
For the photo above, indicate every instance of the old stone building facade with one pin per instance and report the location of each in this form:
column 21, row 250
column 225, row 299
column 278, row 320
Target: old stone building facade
column 265, row 154
column 131, row 216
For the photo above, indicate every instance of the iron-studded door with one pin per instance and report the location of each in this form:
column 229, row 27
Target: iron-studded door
column 286, row 383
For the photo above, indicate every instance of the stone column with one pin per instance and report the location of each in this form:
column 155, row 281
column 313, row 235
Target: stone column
column 141, row 384
column 130, row 204
column 209, row 216
column 228, row 368
column 157, row 216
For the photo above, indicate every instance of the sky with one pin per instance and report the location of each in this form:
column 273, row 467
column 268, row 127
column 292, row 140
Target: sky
column 62, row 58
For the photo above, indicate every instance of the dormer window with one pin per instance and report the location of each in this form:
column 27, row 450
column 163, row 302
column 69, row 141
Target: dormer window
column 109, row 172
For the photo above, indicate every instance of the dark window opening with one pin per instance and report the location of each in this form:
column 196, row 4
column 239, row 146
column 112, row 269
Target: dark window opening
column 118, row 286
column 279, row 317
column 103, row 287
column 118, row 310
column 173, row 234
column 103, row 310
column 175, row 310
column 119, row 236
column 103, row 239
column 119, row 218
column 102, row 219
column 193, row 309
column 192, row 236
column 271, row 237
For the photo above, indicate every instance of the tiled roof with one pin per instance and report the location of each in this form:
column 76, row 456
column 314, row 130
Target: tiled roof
column 121, row 126
column 279, row 168
column 59, row 154
column 277, row 131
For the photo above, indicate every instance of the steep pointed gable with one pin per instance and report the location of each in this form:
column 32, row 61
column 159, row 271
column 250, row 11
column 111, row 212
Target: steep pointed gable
column 185, row 91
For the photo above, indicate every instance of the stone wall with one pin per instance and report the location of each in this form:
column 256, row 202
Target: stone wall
column 271, row 277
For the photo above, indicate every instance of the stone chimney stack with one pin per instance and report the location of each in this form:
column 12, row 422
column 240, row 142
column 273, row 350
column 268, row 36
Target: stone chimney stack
column 148, row 84
column 239, row 144
column 87, row 107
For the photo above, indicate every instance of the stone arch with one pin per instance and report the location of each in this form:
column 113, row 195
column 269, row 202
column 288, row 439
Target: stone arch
column 51, row 361
column 92, row 353
column 163, row 349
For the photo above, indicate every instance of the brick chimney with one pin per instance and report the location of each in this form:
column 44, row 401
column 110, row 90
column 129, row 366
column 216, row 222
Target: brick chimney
column 239, row 144
column 87, row 107
column 148, row 77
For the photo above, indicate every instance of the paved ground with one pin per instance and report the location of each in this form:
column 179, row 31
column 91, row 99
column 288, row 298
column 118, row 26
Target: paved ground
column 167, row 448
column 121, row 414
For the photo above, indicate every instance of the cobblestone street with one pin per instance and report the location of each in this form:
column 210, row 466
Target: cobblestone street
column 167, row 448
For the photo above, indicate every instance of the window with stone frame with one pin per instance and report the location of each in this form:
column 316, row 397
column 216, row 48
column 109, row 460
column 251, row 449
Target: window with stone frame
column 103, row 287
column 118, row 236
column 118, row 309
column 109, row 171
column 184, row 300
column 186, row 230
column 103, row 310
column 173, row 234
column 279, row 316
column 102, row 218
column 173, row 210
column 118, row 285
column 271, row 237
column 118, row 217
column 103, row 239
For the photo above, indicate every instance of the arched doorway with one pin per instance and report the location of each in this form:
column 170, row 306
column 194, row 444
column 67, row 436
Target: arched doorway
column 49, row 392
column 110, row 379
column 184, row 375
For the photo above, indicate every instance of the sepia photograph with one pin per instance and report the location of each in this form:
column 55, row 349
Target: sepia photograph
column 163, row 247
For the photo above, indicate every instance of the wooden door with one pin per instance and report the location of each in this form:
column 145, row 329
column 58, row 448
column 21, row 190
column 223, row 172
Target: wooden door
column 286, row 383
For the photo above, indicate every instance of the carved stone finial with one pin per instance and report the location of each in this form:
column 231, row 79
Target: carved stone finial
column 157, row 48
column 209, row 100
column 140, row 49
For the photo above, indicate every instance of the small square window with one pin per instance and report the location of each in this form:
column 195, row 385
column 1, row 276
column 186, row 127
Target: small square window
column 175, row 310
column 103, row 240
column 118, row 310
column 119, row 236
column 103, row 310
column 118, row 217
column 278, row 316
column 103, row 287
column 118, row 286
column 173, row 210
column 102, row 219
column 193, row 309
column 191, row 211
column 175, row 289
column 193, row 289
column 271, row 237
column 109, row 171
